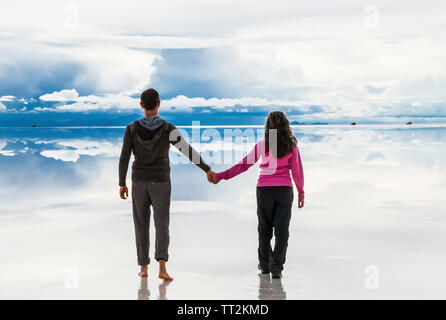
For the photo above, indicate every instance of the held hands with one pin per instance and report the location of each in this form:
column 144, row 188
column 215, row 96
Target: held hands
column 212, row 177
column 123, row 192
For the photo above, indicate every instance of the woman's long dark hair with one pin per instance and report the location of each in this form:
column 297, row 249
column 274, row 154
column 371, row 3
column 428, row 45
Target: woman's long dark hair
column 285, row 139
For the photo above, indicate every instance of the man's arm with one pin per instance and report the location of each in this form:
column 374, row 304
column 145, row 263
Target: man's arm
column 177, row 140
column 127, row 147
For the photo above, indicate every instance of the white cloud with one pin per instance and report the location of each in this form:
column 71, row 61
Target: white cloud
column 124, row 101
column 42, row 109
column 105, row 102
column 71, row 150
column 64, row 155
column 115, row 68
column 89, row 68
column 2, row 107
column 184, row 101
column 64, row 95
column 8, row 153
column 349, row 101
column 7, row 98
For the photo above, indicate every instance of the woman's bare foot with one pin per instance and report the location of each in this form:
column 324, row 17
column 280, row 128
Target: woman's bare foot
column 143, row 273
column 163, row 272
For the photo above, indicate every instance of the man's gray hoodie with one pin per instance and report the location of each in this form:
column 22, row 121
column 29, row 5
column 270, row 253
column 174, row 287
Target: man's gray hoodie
column 149, row 138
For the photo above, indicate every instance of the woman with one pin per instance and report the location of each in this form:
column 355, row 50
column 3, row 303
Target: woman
column 279, row 155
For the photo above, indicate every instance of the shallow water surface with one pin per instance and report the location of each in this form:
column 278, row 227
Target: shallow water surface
column 373, row 225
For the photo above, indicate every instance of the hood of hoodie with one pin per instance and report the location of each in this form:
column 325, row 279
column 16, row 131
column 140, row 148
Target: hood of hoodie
column 151, row 122
column 149, row 130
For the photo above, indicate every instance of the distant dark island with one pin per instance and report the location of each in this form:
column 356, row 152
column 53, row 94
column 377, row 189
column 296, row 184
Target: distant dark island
column 34, row 126
column 409, row 123
column 353, row 123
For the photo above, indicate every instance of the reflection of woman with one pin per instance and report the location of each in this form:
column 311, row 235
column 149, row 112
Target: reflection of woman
column 280, row 155
column 270, row 289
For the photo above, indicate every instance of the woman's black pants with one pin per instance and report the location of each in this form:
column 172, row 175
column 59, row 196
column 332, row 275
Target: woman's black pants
column 274, row 213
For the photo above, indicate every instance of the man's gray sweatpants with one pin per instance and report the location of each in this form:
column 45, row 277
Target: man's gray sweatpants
column 157, row 195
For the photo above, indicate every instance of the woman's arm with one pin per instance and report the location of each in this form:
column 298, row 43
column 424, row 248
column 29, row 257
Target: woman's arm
column 247, row 162
column 297, row 171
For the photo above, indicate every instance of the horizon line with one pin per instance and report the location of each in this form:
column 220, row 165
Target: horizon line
column 405, row 125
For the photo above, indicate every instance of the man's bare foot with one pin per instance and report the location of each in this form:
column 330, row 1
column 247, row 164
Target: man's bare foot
column 165, row 276
column 143, row 273
column 163, row 272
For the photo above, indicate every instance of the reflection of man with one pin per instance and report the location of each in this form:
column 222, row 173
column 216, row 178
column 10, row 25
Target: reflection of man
column 149, row 139
column 144, row 292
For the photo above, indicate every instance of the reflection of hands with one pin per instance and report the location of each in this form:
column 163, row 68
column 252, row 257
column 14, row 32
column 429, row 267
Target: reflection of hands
column 301, row 203
column 212, row 177
column 123, row 192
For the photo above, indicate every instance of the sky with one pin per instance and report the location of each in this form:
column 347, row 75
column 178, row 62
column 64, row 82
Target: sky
column 223, row 61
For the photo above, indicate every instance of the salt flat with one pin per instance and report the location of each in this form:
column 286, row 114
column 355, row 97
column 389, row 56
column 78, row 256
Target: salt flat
column 373, row 225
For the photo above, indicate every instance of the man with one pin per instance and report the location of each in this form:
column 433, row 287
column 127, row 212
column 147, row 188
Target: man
column 149, row 139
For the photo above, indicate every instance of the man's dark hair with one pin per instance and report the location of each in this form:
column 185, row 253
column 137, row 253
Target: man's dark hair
column 150, row 99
